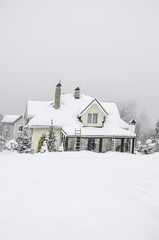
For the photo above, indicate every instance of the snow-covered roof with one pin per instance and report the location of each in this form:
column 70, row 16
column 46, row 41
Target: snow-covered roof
column 35, row 107
column 66, row 117
column 10, row 118
column 95, row 101
column 106, row 131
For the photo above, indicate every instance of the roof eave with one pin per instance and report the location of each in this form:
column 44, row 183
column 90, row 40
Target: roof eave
column 43, row 126
column 102, row 136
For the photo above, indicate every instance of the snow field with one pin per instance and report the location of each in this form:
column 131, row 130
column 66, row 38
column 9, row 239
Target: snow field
column 79, row 195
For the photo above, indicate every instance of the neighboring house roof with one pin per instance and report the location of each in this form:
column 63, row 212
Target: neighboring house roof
column 11, row 118
column 66, row 117
column 35, row 107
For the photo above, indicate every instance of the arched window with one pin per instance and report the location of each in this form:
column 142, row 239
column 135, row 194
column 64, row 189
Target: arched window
column 20, row 128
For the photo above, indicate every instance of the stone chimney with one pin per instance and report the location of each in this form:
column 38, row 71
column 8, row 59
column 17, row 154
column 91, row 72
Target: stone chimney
column 57, row 95
column 77, row 93
column 132, row 125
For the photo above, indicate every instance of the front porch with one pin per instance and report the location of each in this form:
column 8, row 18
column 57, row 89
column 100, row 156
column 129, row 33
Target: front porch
column 99, row 144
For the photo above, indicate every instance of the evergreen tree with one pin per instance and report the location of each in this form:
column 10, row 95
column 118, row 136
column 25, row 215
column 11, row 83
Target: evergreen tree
column 24, row 145
column 40, row 143
column 157, row 128
column 44, row 147
column 1, row 143
column 51, row 139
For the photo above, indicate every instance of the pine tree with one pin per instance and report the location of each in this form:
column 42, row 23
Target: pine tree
column 157, row 128
column 44, row 147
column 24, row 145
column 1, row 143
column 51, row 139
column 40, row 143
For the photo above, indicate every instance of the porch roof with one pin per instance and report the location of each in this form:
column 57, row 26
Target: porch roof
column 99, row 132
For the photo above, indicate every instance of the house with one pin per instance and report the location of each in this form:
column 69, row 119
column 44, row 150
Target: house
column 80, row 123
column 12, row 126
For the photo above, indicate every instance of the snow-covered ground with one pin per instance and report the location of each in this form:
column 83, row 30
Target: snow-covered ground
column 79, row 196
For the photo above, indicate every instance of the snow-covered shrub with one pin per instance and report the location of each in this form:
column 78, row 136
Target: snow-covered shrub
column 147, row 148
column 12, row 145
column 61, row 148
column 148, row 141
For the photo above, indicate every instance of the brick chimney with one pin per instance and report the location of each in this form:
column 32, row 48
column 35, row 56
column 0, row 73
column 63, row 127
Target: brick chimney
column 57, row 95
column 77, row 93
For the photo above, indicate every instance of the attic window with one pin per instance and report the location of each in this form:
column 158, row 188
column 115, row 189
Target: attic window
column 92, row 118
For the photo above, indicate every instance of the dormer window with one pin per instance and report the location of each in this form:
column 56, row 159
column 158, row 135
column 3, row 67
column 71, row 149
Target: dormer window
column 92, row 118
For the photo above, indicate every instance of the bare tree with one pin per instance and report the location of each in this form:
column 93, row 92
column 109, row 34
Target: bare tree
column 144, row 129
column 131, row 110
column 128, row 110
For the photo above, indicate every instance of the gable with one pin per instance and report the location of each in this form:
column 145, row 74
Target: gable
column 93, row 116
column 95, row 101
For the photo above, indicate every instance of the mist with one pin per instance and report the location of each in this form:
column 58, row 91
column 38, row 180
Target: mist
column 107, row 48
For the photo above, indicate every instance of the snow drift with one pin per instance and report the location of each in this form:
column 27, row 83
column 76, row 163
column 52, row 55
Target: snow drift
column 79, row 196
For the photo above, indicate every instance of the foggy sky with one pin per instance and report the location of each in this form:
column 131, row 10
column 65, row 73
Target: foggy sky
column 110, row 49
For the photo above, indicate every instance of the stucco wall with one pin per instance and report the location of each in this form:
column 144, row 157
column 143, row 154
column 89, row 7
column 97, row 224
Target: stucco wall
column 37, row 133
column 7, row 131
column 93, row 109
column 10, row 130
column 17, row 124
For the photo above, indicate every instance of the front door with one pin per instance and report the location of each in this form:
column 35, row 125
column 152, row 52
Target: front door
column 93, row 144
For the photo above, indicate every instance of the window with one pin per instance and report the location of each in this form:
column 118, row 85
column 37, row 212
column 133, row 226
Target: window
column 89, row 120
column 95, row 118
column 20, row 128
column 92, row 118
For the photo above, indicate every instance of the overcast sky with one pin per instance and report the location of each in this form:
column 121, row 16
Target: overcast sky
column 110, row 49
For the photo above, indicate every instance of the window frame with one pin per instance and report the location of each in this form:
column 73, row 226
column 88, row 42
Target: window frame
column 89, row 118
column 92, row 118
